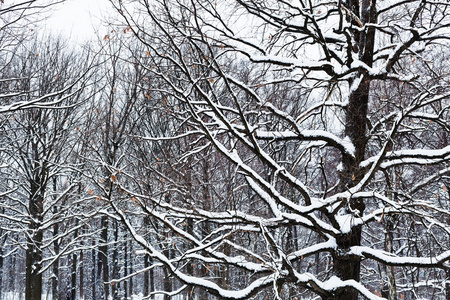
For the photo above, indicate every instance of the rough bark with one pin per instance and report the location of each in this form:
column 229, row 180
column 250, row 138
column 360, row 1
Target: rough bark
column 347, row 266
column 33, row 278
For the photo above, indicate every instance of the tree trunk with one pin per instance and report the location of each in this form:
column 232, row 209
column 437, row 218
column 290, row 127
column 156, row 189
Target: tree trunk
column 390, row 292
column 73, row 281
column 131, row 267
column 3, row 241
column 167, row 283
column 346, row 266
column 1, row 271
column 103, row 257
column 146, row 275
column 33, row 277
column 94, row 273
column 125, row 269
column 115, row 271
column 447, row 285
column 190, row 265
column 55, row 267
column 81, row 274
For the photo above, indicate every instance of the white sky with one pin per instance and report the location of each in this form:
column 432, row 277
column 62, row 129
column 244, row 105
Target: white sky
column 78, row 20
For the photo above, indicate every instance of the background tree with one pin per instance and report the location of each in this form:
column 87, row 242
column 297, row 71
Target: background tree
column 37, row 158
column 18, row 24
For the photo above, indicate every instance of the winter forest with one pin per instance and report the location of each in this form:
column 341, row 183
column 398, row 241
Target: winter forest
column 227, row 149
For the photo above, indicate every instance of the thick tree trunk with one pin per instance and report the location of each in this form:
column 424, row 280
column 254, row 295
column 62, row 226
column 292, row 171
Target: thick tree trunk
column 33, row 277
column 346, row 266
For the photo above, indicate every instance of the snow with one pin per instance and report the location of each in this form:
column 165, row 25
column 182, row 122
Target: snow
column 345, row 143
column 328, row 245
column 392, row 259
column 137, row 297
column 410, row 156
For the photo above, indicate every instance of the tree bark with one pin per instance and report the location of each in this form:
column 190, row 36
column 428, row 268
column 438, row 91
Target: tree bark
column 1, row 271
column 146, row 262
column 94, row 273
column 125, row 269
column 55, row 267
column 81, row 273
column 73, row 280
column 346, row 266
column 390, row 292
column 33, row 277
column 103, row 257
column 115, row 270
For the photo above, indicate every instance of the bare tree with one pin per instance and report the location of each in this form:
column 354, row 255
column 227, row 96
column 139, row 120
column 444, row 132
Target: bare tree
column 309, row 146
column 18, row 25
column 39, row 147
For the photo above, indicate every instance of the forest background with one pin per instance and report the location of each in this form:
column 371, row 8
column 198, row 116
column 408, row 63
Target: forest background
column 229, row 149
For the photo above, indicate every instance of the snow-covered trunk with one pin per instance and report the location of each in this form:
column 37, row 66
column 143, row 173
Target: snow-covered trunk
column 348, row 266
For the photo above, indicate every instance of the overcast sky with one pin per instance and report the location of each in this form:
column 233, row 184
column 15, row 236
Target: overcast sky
column 78, row 20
